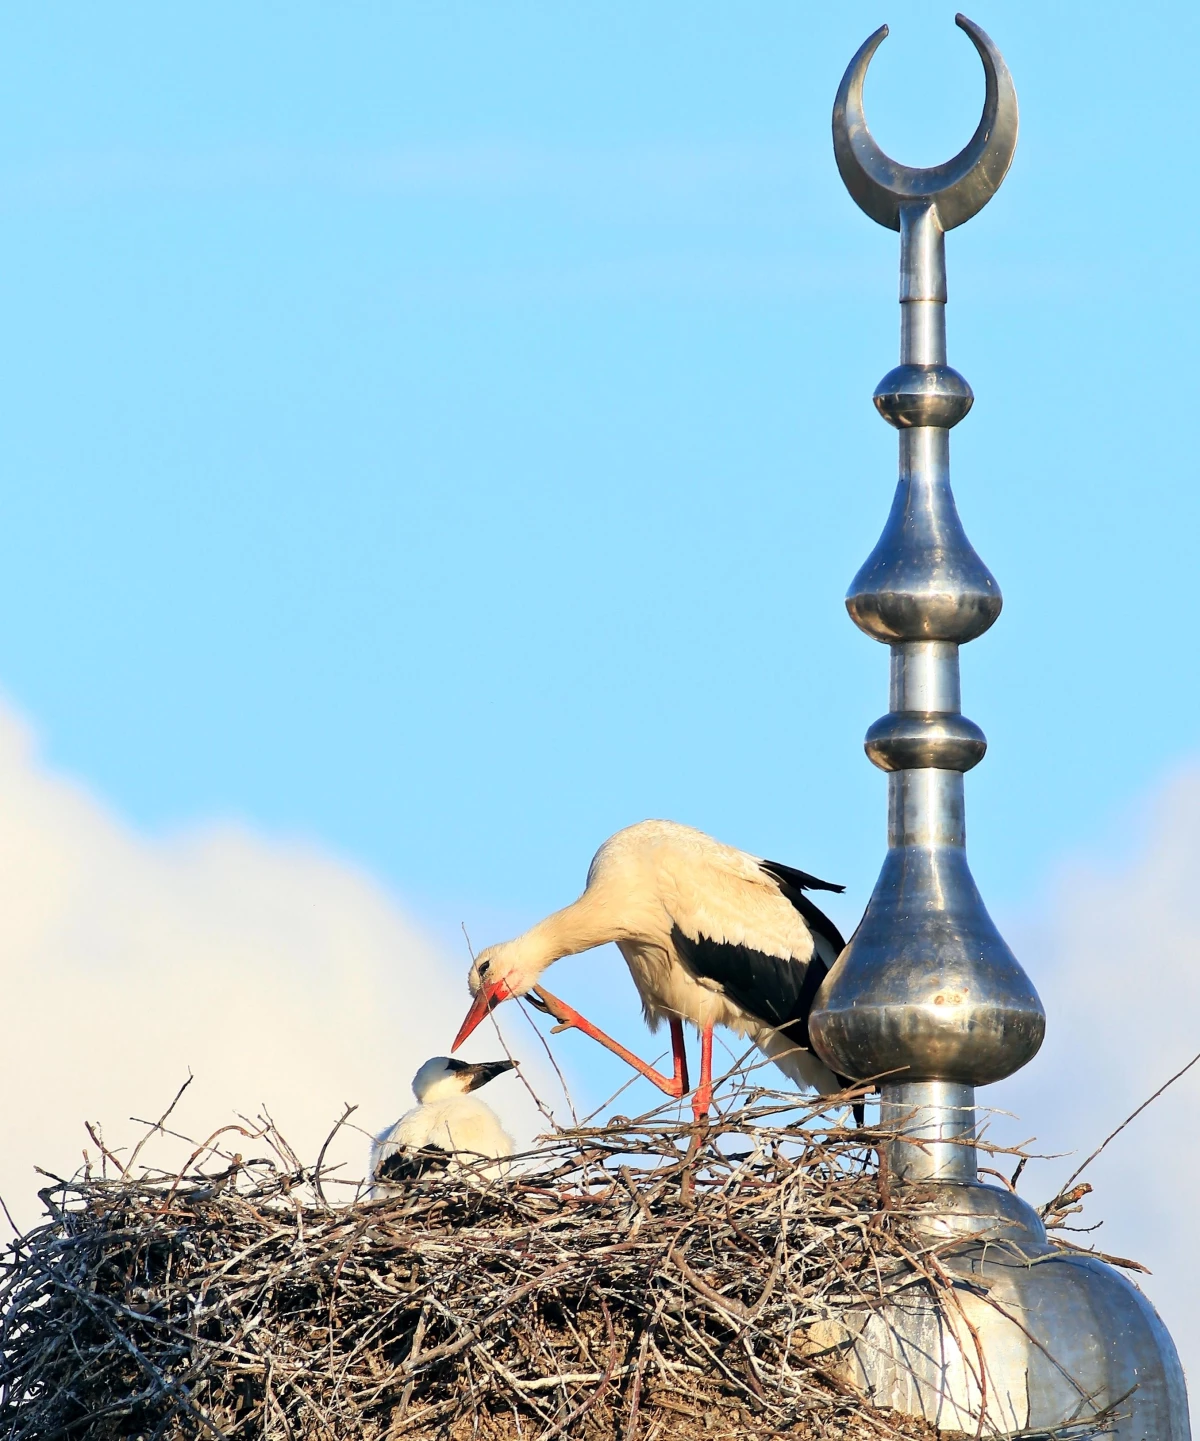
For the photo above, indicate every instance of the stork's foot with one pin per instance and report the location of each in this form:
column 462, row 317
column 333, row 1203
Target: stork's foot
column 569, row 1019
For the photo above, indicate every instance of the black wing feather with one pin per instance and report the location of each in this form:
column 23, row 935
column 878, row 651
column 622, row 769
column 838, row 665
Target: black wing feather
column 799, row 880
column 772, row 989
column 409, row 1164
column 792, row 885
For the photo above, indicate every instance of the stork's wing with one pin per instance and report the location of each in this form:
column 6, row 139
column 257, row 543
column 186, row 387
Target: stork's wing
column 747, row 926
column 412, row 1162
column 777, row 990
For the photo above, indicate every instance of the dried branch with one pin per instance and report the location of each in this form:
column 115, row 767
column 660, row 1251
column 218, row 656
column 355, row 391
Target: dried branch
column 1079, row 1170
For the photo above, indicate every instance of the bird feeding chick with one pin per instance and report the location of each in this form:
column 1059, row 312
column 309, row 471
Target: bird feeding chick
column 711, row 935
column 448, row 1129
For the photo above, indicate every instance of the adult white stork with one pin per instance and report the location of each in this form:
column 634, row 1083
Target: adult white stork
column 447, row 1129
column 710, row 934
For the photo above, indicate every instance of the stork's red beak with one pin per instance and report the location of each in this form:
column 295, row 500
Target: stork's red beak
column 491, row 993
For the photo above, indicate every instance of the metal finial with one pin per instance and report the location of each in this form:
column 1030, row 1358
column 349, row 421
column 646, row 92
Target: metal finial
column 1054, row 1343
column 927, row 990
column 962, row 186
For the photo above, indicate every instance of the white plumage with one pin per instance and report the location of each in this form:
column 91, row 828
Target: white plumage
column 711, row 935
column 448, row 1129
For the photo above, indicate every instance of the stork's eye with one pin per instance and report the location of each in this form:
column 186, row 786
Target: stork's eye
column 482, row 966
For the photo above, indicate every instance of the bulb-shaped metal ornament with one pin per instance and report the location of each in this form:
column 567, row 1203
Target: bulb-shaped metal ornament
column 929, row 991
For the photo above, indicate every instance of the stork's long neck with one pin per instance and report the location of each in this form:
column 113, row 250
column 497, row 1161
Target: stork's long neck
column 585, row 923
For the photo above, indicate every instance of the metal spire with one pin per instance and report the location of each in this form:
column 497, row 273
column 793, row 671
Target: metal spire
column 927, row 996
column 927, row 991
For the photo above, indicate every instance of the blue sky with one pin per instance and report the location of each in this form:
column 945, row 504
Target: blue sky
column 433, row 436
column 444, row 432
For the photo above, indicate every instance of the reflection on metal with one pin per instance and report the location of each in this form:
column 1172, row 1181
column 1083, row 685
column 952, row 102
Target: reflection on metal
column 1065, row 1343
column 927, row 993
column 937, row 1120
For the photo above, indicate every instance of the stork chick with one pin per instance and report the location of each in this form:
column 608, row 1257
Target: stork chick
column 448, row 1129
column 711, row 935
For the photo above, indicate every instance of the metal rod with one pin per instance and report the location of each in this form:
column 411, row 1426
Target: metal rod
column 926, row 806
column 922, row 286
column 937, row 1120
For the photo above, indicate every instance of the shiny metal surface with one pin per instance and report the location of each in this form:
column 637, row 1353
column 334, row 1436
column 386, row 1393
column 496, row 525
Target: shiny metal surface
column 922, row 285
column 927, row 987
column 920, row 738
column 924, row 727
column 923, row 676
column 923, row 580
column 962, row 186
column 1026, row 1338
column 964, row 1209
column 937, row 1119
column 923, row 395
column 1063, row 1344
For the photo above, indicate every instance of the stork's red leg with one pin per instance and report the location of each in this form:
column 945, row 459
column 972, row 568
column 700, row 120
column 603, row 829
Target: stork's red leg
column 680, row 1055
column 568, row 1018
column 702, row 1099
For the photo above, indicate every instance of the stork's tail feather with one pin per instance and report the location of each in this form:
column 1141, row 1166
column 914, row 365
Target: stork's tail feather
column 801, row 880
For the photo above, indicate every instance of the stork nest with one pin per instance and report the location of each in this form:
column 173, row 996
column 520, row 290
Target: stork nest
column 628, row 1280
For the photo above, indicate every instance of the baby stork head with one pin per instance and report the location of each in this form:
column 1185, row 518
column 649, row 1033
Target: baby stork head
column 442, row 1077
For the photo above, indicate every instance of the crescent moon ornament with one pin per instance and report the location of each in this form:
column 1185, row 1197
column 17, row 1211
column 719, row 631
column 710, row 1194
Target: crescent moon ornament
column 959, row 188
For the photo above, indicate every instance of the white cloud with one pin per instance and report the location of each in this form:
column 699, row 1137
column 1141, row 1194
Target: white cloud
column 277, row 974
column 1115, row 954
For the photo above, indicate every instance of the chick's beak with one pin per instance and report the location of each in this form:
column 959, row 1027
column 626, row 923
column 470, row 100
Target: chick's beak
column 491, row 993
column 487, row 1071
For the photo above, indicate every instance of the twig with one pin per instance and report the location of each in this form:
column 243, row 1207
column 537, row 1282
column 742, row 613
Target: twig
column 342, row 1119
column 97, row 1136
column 137, row 1150
column 562, row 1080
column 1132, row 1116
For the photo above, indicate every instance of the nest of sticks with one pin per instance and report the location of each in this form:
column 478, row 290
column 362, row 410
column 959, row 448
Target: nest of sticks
column 635, row 1279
